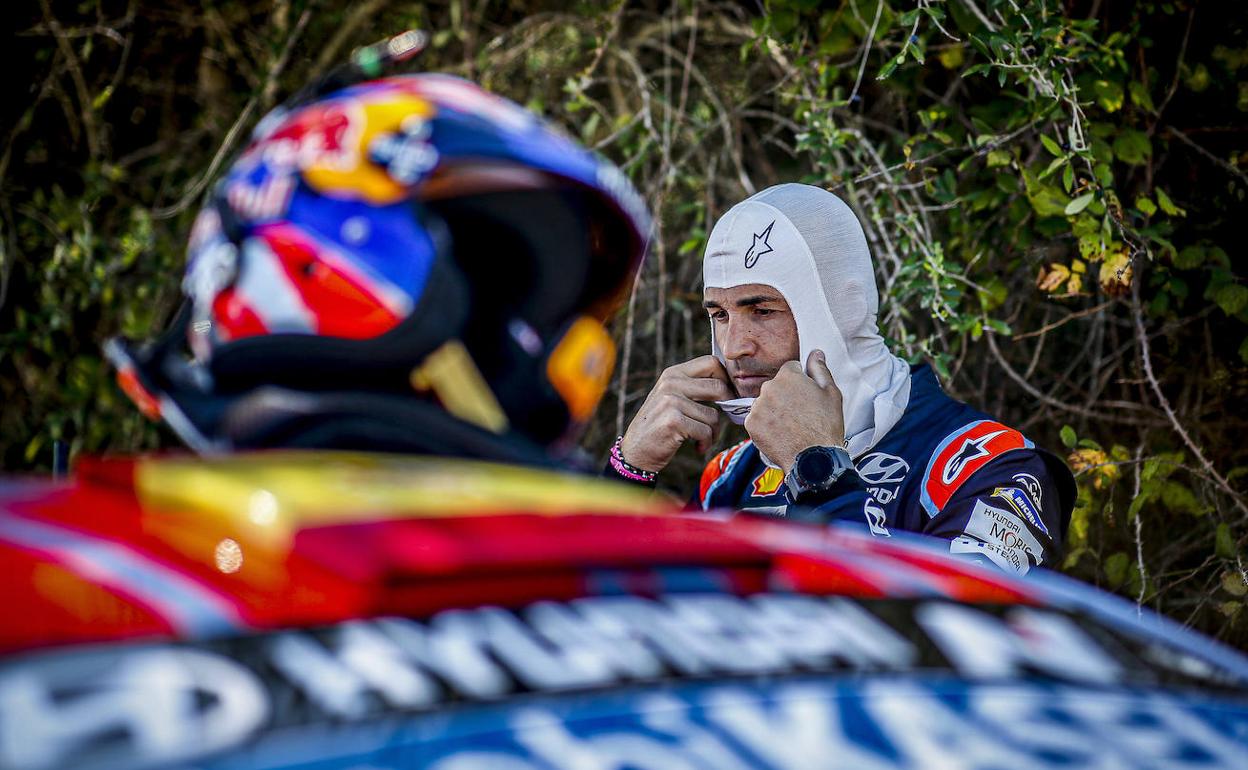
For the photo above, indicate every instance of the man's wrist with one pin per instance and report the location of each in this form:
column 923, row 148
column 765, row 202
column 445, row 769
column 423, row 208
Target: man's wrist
column 621, row 468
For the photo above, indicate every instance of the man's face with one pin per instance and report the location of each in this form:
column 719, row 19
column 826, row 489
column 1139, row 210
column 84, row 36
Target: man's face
column 756, row 332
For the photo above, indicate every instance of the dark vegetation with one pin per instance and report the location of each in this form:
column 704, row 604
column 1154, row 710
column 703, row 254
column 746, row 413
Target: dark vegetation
column 1054, row 192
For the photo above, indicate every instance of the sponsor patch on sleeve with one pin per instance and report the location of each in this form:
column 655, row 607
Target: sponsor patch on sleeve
column 1001, row 536
column 1021, row 503
column 768, row 482
column 963, row 452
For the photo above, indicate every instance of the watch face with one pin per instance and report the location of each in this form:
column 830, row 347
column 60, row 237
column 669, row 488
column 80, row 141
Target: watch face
column 815, row 466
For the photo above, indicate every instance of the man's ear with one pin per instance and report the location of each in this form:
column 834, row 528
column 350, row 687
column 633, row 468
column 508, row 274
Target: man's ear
column 853, row 314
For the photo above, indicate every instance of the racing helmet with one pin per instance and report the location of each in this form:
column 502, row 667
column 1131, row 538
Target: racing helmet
column 403, row 263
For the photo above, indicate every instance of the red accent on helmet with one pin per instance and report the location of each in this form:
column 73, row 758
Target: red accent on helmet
column 343, row 305
column 235, row 318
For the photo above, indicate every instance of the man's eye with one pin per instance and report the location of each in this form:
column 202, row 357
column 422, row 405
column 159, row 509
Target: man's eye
column 763, row 311
column 719, row 315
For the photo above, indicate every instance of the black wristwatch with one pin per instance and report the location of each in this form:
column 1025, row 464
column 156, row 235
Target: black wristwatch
column 818, row 473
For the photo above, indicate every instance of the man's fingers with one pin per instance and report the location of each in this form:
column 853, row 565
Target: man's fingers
column 817, row 370
column 700, row 412
column 705, row 389
column 704, row 366
column 786, row 372
column 697, row 430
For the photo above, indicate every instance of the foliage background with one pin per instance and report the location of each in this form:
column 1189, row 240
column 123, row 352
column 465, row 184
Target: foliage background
column 1054, row 192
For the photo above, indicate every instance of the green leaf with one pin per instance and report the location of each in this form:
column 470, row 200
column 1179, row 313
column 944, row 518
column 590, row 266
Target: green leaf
column 1140, row 96
column 1068, row 177
column 1224, row 543
column 1050, row 145
column 102, row 98
column 1177, row 497
column 999, row 326
column 1146, row 206
column 1108, row 95
column 1232, row 298
column 1047, row 201
column 1131, row 146
column 1161, row 466
column 1190, row 257
column 1079, row 204
column 1073, row 557
column 891, row 66
column 1199, row 80
column 981, row 47
column 1116, row 569
column 1054, row 166
column 1104, row 174
column 1167, row 205
column 1231, row 610
column 1068, row 436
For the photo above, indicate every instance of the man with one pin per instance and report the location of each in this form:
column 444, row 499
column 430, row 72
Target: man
column 854, row 434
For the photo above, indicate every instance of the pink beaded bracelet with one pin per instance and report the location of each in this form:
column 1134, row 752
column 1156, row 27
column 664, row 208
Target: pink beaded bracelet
column 630, row 472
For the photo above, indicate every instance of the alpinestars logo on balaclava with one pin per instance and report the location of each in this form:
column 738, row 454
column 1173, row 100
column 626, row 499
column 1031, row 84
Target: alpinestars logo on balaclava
column 753, row 253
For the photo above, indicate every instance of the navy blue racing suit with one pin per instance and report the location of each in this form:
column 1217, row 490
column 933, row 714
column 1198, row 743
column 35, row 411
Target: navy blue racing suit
column 945, row 469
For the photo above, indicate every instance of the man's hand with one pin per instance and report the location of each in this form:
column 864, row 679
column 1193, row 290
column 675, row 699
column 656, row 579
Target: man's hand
column 796, row 410
column 671, row 413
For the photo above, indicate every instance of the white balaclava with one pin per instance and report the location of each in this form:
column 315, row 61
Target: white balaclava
column 807, row 244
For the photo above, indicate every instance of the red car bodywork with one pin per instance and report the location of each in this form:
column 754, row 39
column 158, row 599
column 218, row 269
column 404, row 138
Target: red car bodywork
column 186, row 548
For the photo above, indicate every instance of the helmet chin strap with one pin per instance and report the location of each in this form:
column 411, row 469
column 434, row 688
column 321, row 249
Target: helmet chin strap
column 453, row 377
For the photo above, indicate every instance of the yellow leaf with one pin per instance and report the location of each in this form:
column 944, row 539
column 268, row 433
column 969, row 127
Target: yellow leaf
column 1095, row 462
column 1115, row 274
column 1052, row 277
column 951, row 58
column 1234, row 583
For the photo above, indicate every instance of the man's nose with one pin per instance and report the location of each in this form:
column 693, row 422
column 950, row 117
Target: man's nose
column 737, row 342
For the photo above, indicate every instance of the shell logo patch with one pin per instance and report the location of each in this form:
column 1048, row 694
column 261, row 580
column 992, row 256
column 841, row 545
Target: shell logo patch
column 768, row 482
column 962, row 453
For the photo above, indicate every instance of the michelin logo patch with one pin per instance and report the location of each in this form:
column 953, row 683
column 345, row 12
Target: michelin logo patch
column 1001, row 536
column 1021, row 503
